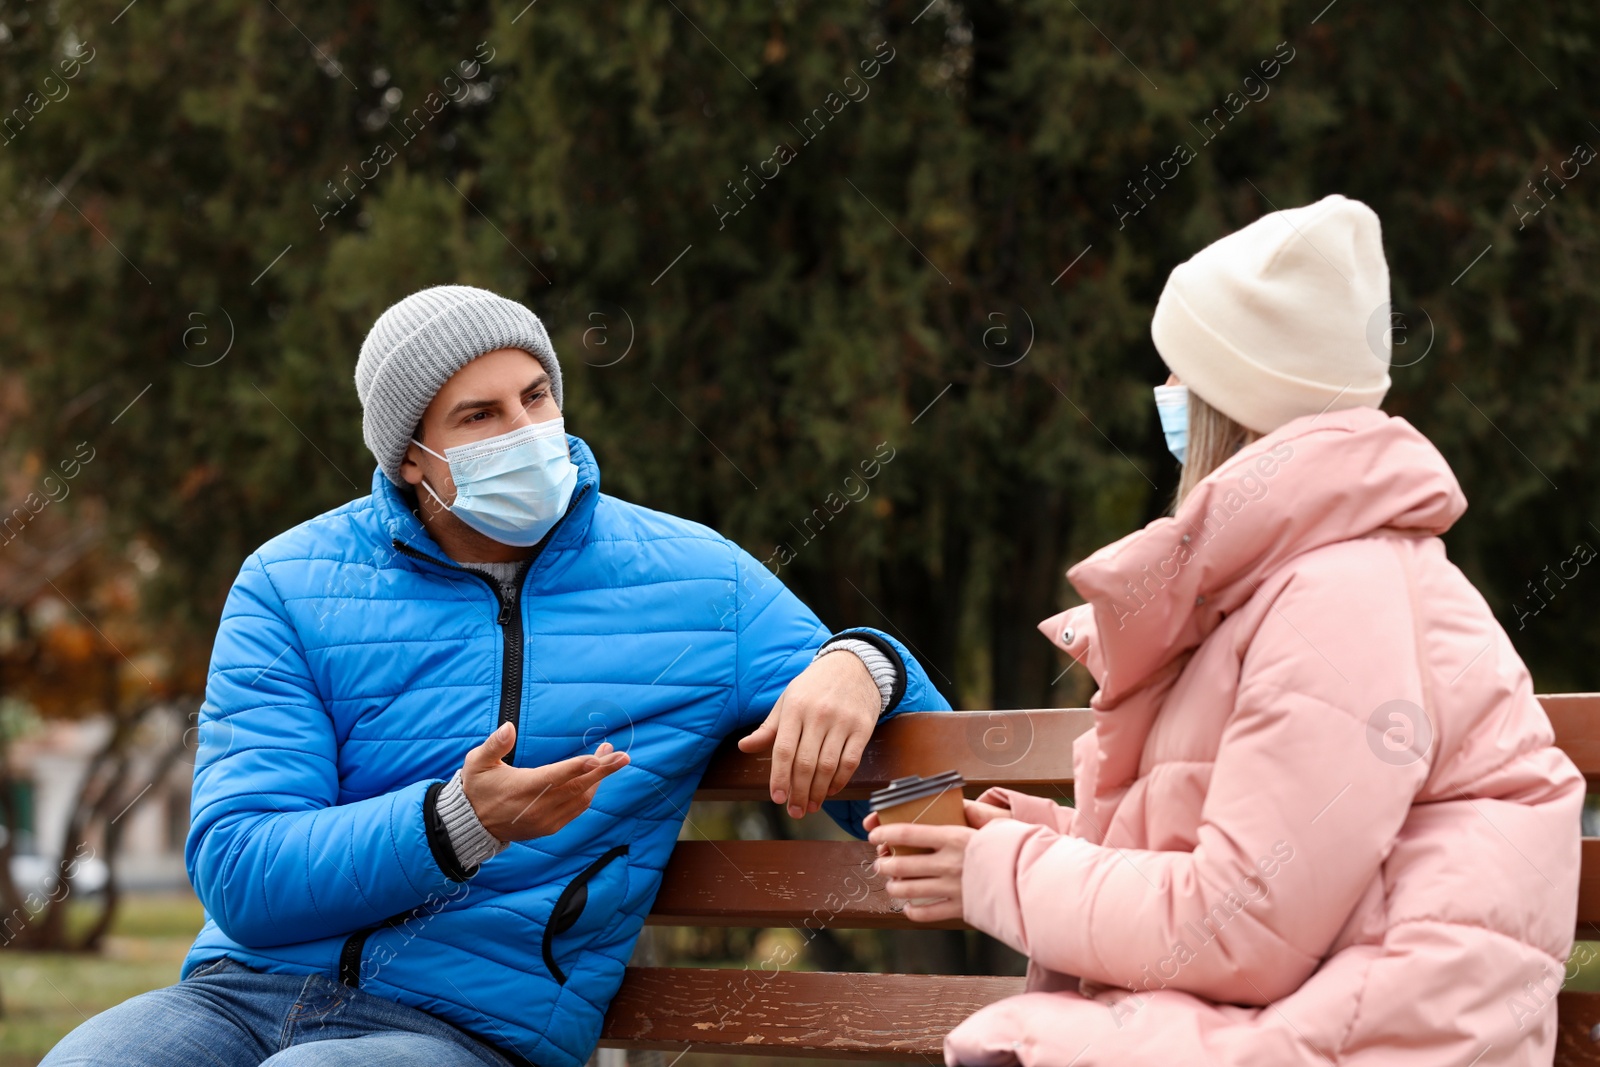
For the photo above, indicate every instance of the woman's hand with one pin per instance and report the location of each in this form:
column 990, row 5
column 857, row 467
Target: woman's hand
column 980, row 815
column 933, row 877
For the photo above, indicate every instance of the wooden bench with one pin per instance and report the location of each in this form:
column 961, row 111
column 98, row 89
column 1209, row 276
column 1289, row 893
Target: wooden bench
column 768, row 1011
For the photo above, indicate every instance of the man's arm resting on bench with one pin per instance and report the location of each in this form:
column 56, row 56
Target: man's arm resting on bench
column 778, row 638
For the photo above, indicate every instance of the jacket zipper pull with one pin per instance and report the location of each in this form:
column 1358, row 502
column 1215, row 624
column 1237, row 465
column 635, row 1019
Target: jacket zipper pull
column 505, row 612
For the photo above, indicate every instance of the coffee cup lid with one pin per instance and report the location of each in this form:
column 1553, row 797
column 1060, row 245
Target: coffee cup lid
column 915, row 787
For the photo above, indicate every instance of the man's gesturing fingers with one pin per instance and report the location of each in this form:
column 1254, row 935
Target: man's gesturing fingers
column 552, row 803
column 575, row 767
column 491, row 751
column 516, row 803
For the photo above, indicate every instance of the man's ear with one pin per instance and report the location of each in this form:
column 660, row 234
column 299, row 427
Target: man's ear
column 410, row 466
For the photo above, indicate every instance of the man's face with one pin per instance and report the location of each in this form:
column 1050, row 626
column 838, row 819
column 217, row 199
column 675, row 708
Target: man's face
column 496, row 393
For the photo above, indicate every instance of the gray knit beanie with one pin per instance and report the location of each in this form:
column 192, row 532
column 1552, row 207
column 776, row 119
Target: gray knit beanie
column 415, row 347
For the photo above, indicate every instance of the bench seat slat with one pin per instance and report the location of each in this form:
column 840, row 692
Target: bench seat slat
column 867, row 1016
column 759, row 1012
column 1577, row 1017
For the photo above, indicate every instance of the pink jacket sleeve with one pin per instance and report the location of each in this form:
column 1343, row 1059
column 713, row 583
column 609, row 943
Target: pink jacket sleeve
column 1299, row 814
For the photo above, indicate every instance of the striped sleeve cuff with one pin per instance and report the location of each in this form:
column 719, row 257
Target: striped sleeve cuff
column 472, row 843
column 884, row 673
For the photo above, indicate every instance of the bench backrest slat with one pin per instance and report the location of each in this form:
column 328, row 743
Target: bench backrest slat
column 1029, row 750
column 1032, row 750
column 1576, row 718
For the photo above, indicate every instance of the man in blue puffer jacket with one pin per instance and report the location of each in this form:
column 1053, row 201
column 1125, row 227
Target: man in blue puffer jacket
column 450, row 735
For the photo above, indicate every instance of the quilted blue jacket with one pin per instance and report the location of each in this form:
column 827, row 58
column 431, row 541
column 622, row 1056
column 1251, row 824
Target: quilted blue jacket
column 354, row 667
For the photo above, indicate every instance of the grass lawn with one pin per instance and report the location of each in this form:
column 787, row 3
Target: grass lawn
column 47, row 994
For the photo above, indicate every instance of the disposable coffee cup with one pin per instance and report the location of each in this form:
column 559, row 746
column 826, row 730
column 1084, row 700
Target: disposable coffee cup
column 935, row 801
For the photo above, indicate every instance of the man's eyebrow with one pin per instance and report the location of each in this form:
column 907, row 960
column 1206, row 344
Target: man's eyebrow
column 538, row 382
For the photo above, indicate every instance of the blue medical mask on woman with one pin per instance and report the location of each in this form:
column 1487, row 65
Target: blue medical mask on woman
column 513, row 487
column 1172, row 405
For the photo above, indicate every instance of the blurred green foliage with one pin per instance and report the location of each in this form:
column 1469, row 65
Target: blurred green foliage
column 878, row 286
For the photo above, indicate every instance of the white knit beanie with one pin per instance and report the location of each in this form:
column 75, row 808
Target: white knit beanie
column 1274, row 322
column 418, row 343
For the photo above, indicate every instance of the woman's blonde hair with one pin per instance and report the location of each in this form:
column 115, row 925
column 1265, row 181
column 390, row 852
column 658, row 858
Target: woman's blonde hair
column 1213, row 437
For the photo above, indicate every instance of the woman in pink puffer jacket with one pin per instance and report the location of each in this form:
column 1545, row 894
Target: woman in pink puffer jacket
column 1320, row 818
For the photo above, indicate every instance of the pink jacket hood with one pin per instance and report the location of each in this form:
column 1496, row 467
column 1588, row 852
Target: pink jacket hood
column 1342, row 475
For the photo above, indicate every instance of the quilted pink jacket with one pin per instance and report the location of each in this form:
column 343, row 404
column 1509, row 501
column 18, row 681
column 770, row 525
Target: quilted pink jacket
column 1320, row 816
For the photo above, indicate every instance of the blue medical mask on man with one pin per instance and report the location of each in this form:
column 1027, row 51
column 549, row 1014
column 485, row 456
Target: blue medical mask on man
column 513, row 487
column 1172, row 405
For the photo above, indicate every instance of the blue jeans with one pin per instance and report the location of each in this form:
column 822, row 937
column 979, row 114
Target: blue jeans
column 226, row 1014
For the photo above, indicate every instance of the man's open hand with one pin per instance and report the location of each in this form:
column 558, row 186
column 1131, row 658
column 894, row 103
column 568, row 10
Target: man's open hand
column 817, row 731
column 516, row 803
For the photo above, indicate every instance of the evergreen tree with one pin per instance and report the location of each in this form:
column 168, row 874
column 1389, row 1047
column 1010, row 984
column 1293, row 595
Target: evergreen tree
column 866, row 287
